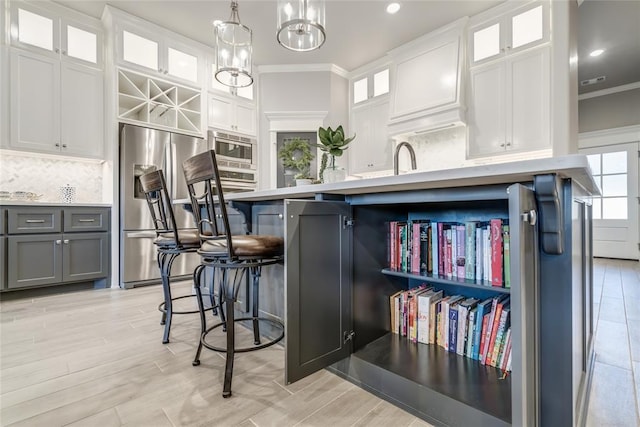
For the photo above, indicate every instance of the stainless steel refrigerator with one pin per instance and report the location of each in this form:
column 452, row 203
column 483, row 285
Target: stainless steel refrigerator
column 144, row 150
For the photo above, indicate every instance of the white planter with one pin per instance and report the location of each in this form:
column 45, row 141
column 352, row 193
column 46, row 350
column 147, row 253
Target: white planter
column 300, row 182
column 333, row 175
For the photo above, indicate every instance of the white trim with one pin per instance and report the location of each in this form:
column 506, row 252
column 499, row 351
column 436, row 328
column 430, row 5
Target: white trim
column 303, row 68
column 287, row 121
column 609, row 91
column 612, row 136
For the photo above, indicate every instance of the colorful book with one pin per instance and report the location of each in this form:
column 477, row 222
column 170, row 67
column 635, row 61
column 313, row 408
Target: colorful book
column 505, row 353
column 426, row 265
column 463, row 322
column 484, row 349
column 433, row 322
column 499, row 341
column 479, row 254
column 486, row 254
column 448, row 253
column 393, row 306
column 496, row 252
column 497, row 313
column 434, row 248
column 486, row 319
column 415, row 247
column 506, row 242
column 460, row 251
column 470, row 250
column 483, row 308
column 424, row 314
column 393, row 228
column 446, row 318
column 471, row 327
column 453, row 328
column 442, row 244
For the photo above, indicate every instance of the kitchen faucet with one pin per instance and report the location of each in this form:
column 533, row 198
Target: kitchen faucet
column 412, row 154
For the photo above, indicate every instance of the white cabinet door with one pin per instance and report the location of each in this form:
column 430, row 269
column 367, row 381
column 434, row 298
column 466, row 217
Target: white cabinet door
column 371, row 150
column 487, row 112
column 220, row 112
column 427, row 80
column 34, row 28
column 139, row 50
column 81, row 109
column 182, row 64
column 529, row 127
column 245, row 118
column 35, row 95
column 81, row 43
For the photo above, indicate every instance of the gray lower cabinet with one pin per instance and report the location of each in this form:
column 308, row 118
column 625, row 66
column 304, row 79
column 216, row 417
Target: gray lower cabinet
column 3, row 263
column 34, row 260
column 337, row 314
column 54, row 245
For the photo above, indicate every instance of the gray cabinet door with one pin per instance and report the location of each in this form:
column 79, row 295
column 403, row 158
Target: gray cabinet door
column 85, row 256
column 268, row 219
column 3, row 263
column 317, row 286
column 237, row 221
column 524, row 300
column 3, row 214
column 34, row 260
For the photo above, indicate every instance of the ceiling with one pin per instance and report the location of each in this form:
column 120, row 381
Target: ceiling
column 360, row 31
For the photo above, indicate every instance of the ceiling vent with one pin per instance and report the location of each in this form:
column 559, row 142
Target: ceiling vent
column 593, row 81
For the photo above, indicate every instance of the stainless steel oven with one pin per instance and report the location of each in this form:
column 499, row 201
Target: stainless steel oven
column 236, row 155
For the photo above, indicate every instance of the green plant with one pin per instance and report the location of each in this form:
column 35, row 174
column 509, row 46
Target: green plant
column 296, row 154
column 332, row 143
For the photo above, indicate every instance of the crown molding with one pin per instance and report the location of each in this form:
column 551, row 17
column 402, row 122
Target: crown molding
column 611, row 136
column 303, row 68
column 609, row 91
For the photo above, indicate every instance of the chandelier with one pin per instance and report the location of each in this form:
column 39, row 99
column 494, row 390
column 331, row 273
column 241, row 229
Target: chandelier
column 233, row 51
column 301, row 24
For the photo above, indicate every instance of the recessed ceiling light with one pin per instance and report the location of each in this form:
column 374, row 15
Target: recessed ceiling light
column 393, row 8
column 597, row 52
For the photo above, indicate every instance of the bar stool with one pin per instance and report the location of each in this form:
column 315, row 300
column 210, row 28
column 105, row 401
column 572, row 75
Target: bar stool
column 233, row 255
column 170, row 242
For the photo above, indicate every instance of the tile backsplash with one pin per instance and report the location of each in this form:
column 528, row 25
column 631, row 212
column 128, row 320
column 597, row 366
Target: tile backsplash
column 46, row 175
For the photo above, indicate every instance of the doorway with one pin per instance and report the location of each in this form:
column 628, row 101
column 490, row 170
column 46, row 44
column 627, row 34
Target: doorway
column 615, row 214
column 288, row 180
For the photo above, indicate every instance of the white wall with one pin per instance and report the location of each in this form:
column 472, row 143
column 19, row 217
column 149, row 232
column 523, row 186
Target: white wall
column 610, row 111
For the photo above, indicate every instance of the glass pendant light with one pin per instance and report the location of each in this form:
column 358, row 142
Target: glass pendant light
column 301, row 24
column 233, row 51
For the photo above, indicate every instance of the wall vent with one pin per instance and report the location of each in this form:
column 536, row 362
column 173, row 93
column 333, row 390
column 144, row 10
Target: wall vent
column 593, row 81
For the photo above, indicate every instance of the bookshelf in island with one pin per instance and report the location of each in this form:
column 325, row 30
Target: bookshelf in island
column 335, row 289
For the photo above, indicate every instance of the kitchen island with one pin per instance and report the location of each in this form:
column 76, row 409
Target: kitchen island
column 333, row 291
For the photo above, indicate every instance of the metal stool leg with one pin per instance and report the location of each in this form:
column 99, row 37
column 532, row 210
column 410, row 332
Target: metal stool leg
column 167, row 262
column 212, row 296
column 159, row 258
column 255, row 274
column 228, row 290
column 222, row 297
column 197, row 280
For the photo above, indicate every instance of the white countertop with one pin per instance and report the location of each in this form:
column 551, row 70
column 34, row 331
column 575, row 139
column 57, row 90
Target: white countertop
column 39, row 203
column 575, row 167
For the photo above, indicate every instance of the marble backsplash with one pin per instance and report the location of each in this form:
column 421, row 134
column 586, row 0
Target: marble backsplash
column 46, row 175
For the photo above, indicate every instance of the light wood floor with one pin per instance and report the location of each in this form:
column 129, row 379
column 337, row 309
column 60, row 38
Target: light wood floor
column 95, row 358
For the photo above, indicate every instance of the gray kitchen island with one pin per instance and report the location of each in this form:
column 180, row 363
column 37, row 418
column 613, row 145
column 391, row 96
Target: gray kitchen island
column 333, row 290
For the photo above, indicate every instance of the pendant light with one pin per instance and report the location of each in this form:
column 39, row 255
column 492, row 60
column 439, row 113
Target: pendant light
column 233, row 51
column 301, row 24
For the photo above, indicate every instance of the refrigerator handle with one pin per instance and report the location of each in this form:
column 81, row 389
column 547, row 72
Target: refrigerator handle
column 174, row 170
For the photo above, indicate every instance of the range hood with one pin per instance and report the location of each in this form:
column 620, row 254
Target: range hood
column 426, row 93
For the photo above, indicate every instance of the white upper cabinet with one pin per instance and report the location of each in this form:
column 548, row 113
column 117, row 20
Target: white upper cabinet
column 46, row 32
column 56, row 107
column 510, row 90
column 371, row 150
column 519, row 29
column 158, row 53
column 426, row 83
column 232, row 114
column 370, row 86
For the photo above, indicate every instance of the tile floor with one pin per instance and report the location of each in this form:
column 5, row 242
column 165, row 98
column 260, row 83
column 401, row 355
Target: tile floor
column 95, row 359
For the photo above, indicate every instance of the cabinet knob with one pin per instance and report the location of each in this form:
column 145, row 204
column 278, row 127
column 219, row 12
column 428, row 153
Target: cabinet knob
column 64, row 145
column 281, row 216
column 508, row 144
column 66, row 241
column 58, row 242
column 64, row 52
column 502, row 145
column 57, row 50
column 57, row 144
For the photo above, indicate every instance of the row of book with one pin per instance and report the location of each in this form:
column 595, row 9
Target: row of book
column 480, row 330
column 473, row 250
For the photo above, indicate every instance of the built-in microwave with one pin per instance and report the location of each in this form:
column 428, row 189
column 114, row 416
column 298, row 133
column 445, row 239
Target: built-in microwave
column 238, row 150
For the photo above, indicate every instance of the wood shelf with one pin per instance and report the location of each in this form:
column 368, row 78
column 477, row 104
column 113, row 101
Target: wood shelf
column 486, row 286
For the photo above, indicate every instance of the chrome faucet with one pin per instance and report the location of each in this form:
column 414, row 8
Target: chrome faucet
column 412, row 154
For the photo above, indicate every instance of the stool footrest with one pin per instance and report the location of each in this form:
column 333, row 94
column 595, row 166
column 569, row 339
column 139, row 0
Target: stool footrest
column 273, row 322
column 164, row 310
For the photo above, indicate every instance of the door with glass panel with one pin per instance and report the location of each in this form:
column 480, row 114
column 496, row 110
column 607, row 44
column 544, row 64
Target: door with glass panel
column 615, row 213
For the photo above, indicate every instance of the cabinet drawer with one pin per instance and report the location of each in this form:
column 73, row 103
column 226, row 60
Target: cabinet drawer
column 91, row 219
column 34, row 220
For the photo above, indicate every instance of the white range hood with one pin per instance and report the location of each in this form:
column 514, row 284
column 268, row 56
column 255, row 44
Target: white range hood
column 427, row 82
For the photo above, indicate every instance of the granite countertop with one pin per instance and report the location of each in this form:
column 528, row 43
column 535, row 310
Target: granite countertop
column 575, row 167
column 43, row 203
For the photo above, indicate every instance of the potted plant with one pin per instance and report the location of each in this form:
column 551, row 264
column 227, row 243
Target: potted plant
column 296, row 157
column 332, row 143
